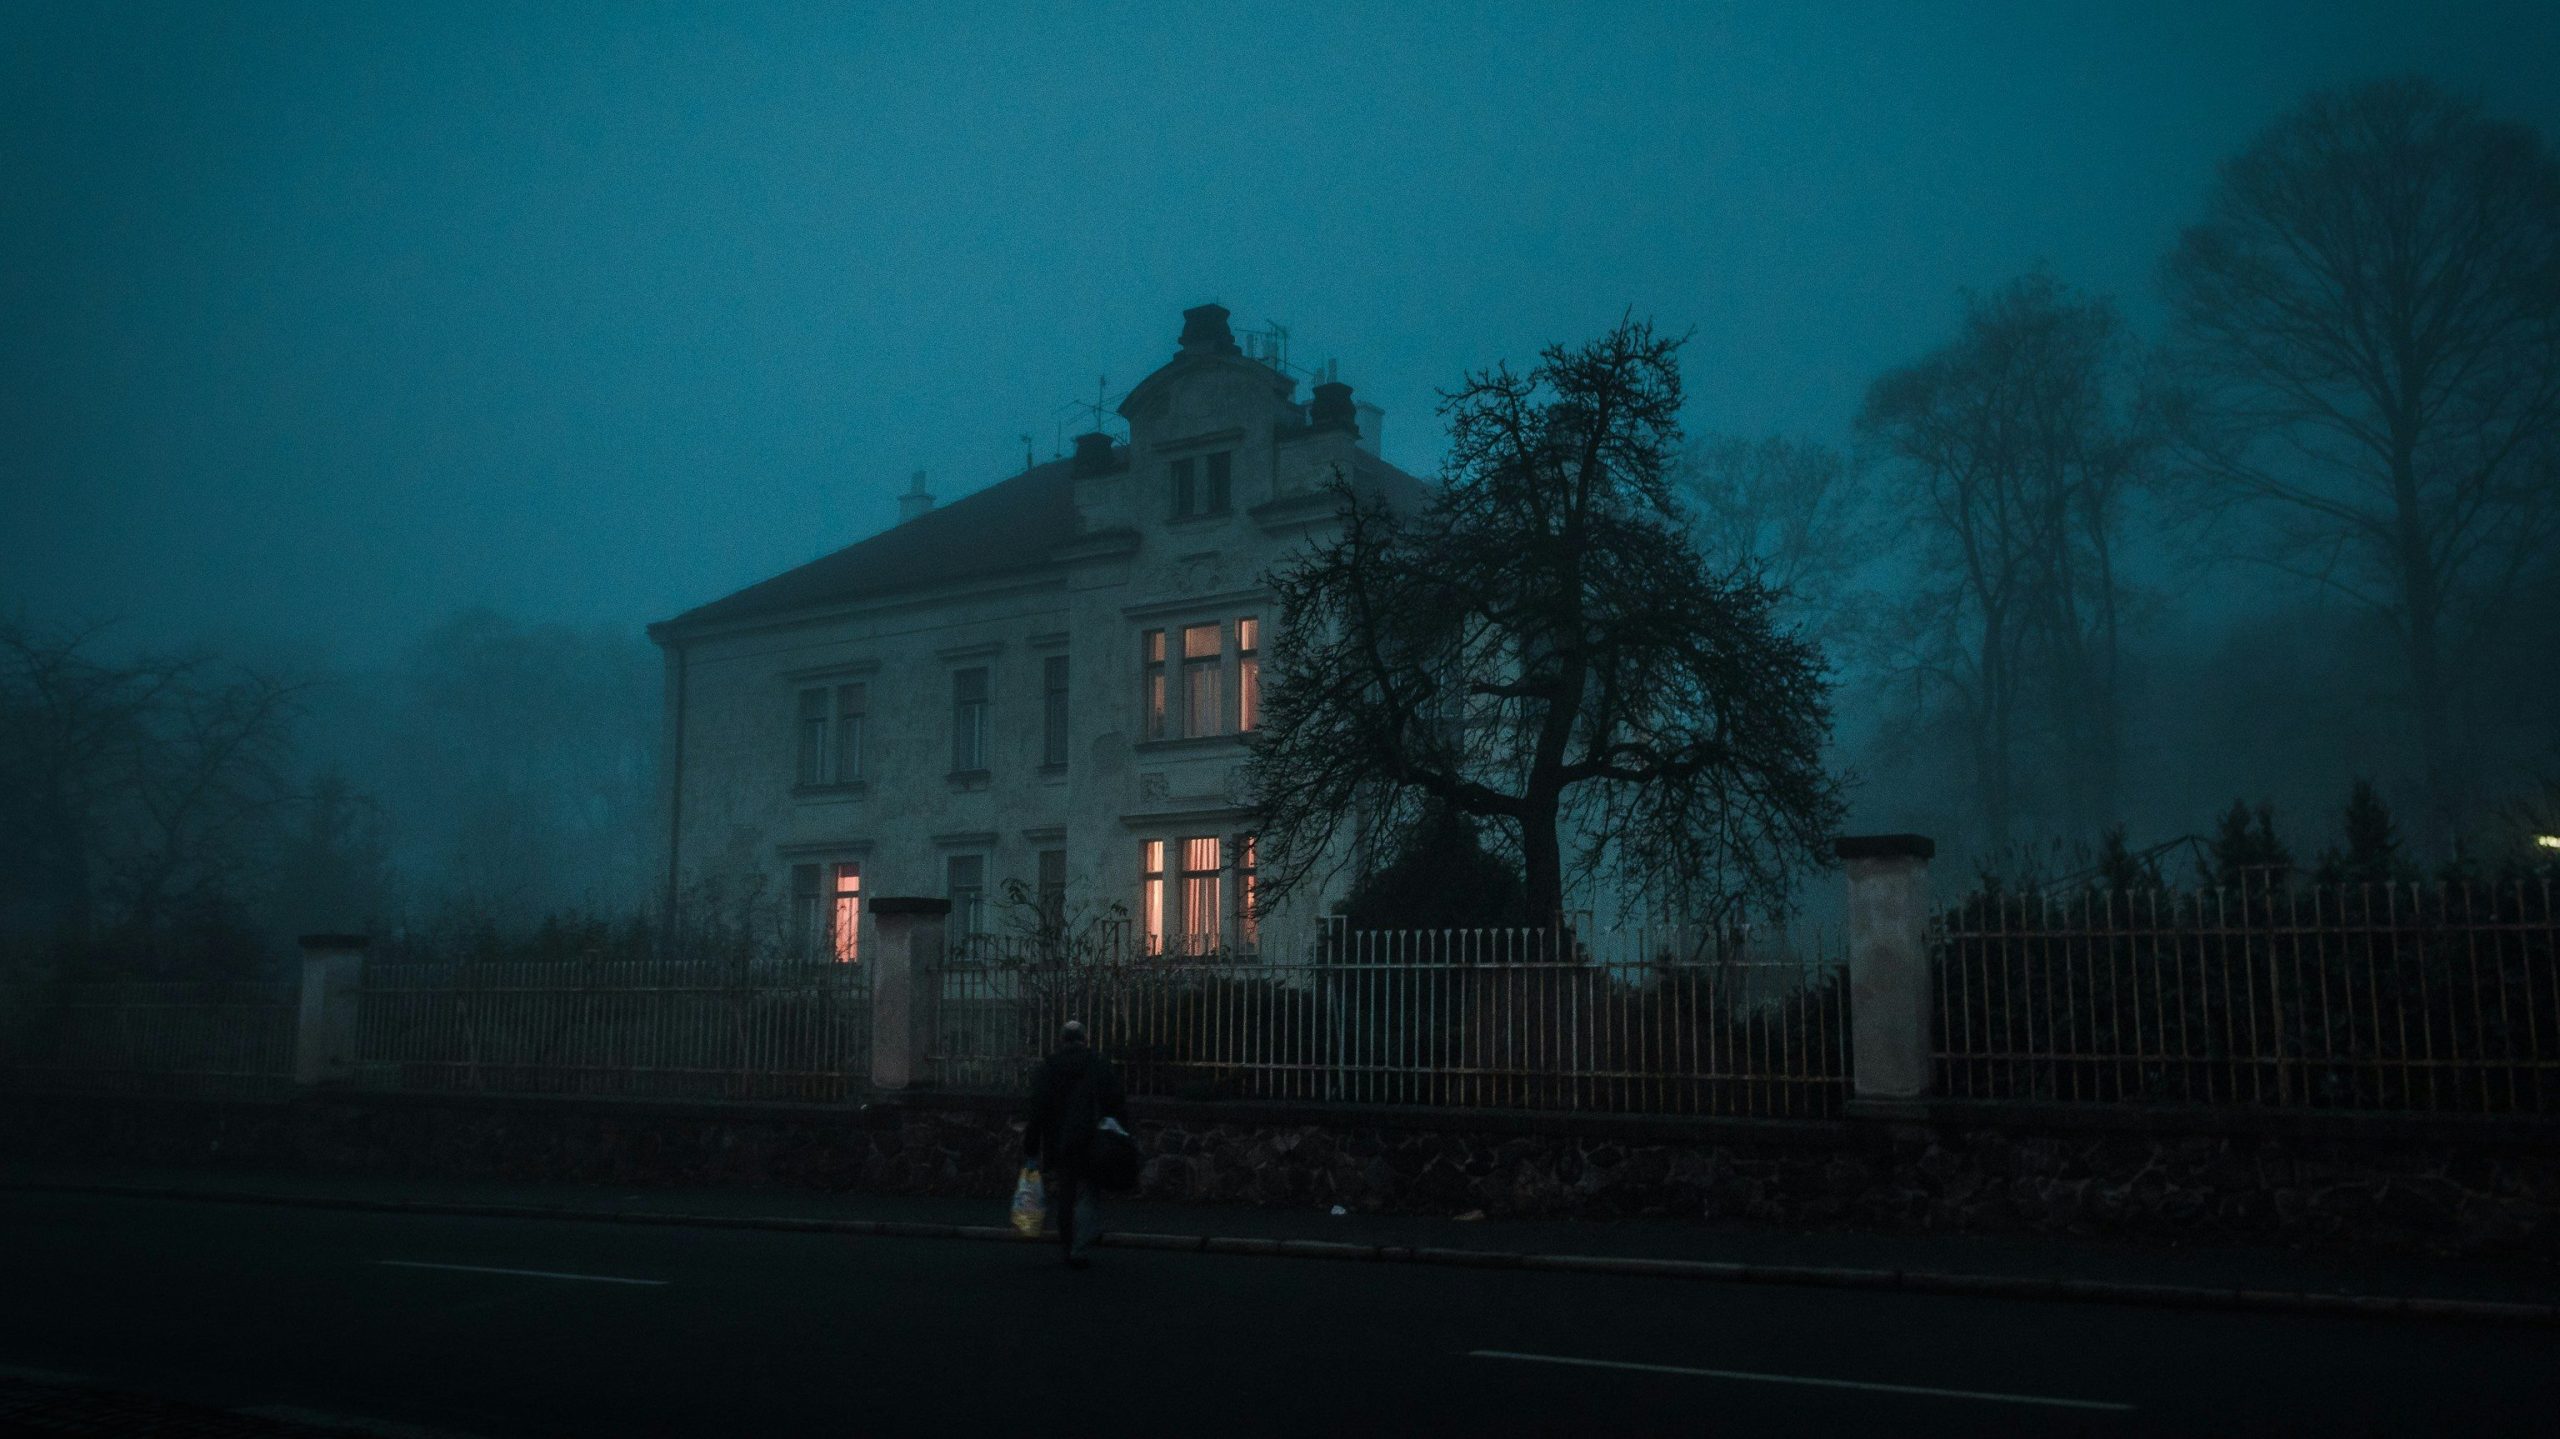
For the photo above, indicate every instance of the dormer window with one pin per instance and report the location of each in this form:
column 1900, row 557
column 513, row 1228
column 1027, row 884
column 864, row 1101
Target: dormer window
column 1200, row 484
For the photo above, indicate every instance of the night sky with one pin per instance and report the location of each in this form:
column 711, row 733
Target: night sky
column 322, row 322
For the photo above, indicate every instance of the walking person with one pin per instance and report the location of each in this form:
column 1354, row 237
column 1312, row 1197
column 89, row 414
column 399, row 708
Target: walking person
column 1075, row 1090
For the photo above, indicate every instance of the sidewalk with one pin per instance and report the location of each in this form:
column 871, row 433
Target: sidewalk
column 2025, row 1265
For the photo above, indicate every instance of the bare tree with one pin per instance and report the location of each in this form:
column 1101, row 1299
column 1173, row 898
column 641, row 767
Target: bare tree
column 1795, row 509
column 2020, row 443
column 2368, row 324
column 1545, row 649
column 138, row 795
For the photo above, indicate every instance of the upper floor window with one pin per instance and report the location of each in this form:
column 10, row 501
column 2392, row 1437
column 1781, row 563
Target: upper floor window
column 1053, row 711
column 968, row 720
column 1207, row 679
column 1201, row 483
column 830, row 732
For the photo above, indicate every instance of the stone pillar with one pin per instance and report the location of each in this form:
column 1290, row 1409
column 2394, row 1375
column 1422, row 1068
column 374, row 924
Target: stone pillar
column 907, row 934
column 324, row 1041
column 1889, row 968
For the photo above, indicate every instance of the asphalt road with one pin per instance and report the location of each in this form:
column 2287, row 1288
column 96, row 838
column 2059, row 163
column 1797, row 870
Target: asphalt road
column 508, row 1327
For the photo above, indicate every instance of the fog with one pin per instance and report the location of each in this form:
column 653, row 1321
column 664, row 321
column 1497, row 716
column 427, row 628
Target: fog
column 414, row 360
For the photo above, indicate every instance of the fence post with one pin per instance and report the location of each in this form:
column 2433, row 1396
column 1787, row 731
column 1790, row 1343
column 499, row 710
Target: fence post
column 1888, row 968
column 909, row 940
column 324, row 1040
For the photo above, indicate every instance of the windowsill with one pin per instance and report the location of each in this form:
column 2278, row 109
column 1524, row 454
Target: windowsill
column 850, row 789
column 1192, row 743
column 969, row 779
column 1053, row 772
column 1207, row 517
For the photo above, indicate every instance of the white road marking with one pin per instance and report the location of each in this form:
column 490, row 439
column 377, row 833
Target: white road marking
column 1872, row 1388
column 522, row 1273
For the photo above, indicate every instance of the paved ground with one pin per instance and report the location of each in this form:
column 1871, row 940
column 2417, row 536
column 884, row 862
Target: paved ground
column 508, row 1326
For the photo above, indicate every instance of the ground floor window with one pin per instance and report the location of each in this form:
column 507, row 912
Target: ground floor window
column 966, row 887
column 826, row 911
column 1202, row 906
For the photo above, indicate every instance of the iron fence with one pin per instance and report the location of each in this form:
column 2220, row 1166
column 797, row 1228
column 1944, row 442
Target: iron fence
column 2440, row 997
column 210, row 1040
column 1652, row 1022
column 663, row 1029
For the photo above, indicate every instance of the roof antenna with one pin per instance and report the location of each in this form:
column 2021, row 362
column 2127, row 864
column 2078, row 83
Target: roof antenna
column 1027, row 460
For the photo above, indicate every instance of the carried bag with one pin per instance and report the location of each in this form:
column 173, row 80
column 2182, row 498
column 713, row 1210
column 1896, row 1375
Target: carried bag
column 1113, row 1159
column 1030, row 1203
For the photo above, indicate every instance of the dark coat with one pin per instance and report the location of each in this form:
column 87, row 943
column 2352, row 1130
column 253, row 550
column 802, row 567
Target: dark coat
column 1075, row 1090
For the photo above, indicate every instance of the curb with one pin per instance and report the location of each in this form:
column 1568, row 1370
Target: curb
column 1912, row 1281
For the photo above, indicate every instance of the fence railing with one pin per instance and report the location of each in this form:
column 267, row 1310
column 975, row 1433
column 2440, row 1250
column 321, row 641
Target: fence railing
column 655, row 1029
column 1628, row 1022
column 202, row 1039
column 2435, row 997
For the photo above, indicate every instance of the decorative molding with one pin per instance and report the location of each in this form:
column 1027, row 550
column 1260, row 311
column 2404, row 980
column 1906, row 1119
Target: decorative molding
column 1166, row 820
column 851, row 789
column 966, row 839
column 1054, row 640
column 1048, row 834
column 969, row 652
column 823, row 849
column 1197, row 604
column 847, row 669
column 1232, row 435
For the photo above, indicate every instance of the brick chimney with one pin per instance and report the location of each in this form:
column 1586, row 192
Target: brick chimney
column 1205, row 331
column 915, row 501
column 1093, row 455
column 1331, row 408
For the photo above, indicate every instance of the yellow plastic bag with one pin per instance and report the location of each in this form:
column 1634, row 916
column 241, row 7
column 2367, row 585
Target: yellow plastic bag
column 1030, row 1203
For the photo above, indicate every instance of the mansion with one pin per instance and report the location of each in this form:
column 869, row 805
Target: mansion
column 1041, row 689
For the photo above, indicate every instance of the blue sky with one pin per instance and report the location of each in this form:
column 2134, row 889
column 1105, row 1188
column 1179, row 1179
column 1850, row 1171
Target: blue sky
column 320, row 322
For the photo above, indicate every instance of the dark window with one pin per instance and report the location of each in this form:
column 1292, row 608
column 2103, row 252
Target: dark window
column 1053, row 889
column 808, row 913
column 852, row 703
column 813, row 737
column 967, row 891
column 1186, row 489
column 1248, row 924
column 968, row 720
column 1213, row 489
column 1053, row 711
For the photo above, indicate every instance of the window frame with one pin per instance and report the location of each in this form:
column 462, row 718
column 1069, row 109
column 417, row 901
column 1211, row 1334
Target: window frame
column 1055, row 713
column 972, row 721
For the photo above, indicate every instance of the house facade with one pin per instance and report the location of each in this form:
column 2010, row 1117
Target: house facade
column 1046, row 684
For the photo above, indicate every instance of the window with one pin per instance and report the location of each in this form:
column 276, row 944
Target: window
column 1201, row 484
column 1248, row 673
column 1053, row 889
column 826, row 923
column 1200, row 912
column 1053, row 712
column 831, row 734
column 966, row 888
column 1151, row 693
column 852, row 703
column 808, row 912
column 1248, row 924
column 968, row 721
column 813, row 737
column 1203, row 653
column 847, row 916
column 1213, row 487
column 1151, row 895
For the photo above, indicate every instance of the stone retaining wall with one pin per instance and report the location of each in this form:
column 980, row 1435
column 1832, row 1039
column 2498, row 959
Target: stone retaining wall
column 2489, row 1189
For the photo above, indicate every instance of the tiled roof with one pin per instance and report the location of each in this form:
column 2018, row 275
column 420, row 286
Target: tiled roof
column 1008, row 526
